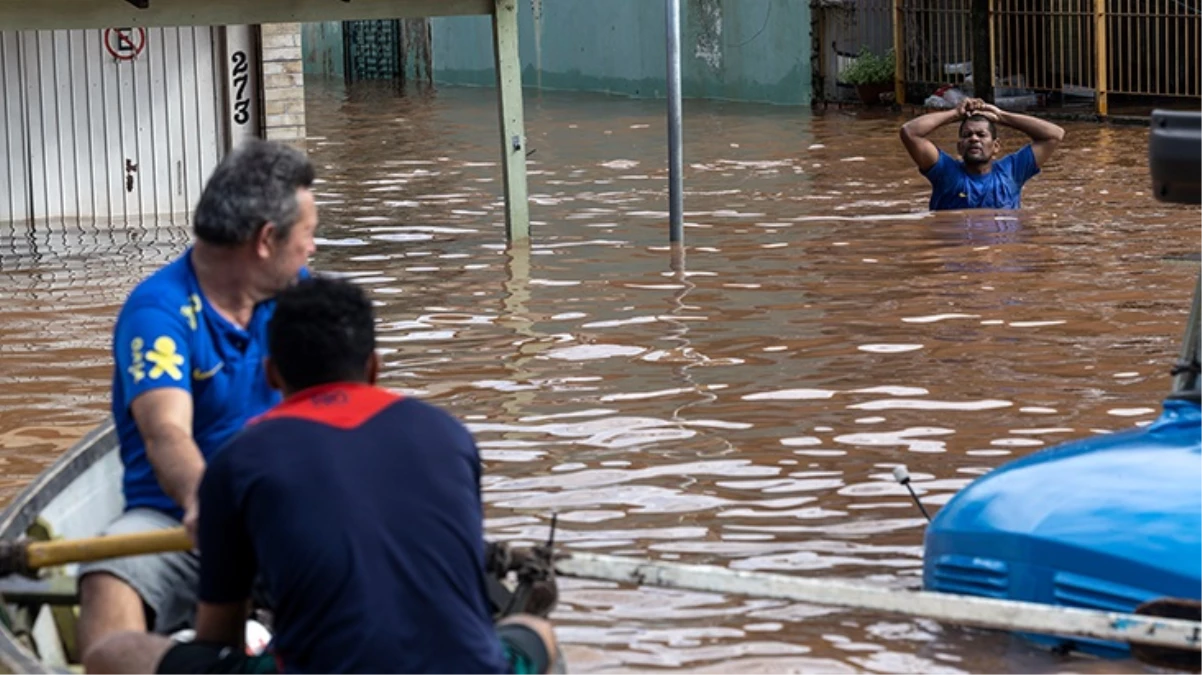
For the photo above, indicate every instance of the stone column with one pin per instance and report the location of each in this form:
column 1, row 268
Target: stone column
column 283, row 83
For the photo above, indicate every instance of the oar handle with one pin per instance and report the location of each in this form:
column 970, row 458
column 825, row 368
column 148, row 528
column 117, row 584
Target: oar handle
column 64, row 551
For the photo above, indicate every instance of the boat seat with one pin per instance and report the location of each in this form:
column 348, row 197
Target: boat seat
column 53, row 591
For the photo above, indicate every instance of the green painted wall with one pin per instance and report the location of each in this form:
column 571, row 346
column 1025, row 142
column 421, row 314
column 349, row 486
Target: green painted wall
column 743, row 50
column 321, row 48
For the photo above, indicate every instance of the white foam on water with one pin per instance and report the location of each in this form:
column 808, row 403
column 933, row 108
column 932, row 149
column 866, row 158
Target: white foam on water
column 938, row 317
column 790, row 395
column 885, row 348
column 927, row 404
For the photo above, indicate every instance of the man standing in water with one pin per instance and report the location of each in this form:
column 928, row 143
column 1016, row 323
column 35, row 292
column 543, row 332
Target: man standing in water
column 978, row 181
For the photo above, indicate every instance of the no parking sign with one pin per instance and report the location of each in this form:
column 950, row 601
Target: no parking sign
column 124, row 43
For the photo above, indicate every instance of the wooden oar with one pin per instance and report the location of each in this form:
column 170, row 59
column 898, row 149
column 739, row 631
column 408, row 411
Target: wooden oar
column 22, row 557
column 1159, row 633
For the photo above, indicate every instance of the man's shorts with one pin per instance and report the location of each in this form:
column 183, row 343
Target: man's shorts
column 166, row 582
column 206, row 657
column 524, row 650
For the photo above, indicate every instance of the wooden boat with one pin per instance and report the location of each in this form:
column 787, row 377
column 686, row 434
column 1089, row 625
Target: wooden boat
column 75, row 497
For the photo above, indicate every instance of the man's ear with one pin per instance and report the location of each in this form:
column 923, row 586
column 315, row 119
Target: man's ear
column 373, row 368
column 273, row 374
column 265, row 240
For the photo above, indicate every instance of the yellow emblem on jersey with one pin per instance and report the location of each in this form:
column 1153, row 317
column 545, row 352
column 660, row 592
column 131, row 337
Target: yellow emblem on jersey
column 137, row 368
column 198, row 374
column 192, row 310
column 165, row 359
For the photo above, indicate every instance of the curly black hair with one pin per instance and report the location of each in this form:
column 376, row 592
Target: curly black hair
column 322, row 331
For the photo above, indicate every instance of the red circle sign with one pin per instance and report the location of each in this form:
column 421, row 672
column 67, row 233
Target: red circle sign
column 124, row 43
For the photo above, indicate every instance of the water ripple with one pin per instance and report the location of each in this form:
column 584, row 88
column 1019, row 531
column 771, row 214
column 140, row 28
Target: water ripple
column 742, row 404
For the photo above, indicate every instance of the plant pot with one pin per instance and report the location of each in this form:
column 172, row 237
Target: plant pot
column 870, row 94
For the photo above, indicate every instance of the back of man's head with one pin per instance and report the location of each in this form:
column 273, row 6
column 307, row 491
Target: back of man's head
column 322, row 331
column 254, row 184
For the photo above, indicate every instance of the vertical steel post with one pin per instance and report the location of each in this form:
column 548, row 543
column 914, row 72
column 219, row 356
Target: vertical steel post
column 675, row 154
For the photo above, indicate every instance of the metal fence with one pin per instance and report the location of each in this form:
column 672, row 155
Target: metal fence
column 389, row 49
column 1047, row 46
column 1042, row 52
column 935, row 44
column 1153, row 47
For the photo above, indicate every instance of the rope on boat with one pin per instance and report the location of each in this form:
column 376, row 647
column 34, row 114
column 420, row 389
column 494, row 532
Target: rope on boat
column 1012, row 615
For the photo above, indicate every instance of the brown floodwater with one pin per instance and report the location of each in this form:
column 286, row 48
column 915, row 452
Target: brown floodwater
column 743, row 407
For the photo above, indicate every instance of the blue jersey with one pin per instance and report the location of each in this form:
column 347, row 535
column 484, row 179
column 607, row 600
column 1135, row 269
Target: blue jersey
column 167, row 335
column 361, row 510
column 953, row 187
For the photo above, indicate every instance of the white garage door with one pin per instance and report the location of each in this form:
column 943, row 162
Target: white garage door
column 109, row 125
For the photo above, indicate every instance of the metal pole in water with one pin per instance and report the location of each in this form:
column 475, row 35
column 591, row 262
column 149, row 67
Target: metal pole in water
column 675, row 155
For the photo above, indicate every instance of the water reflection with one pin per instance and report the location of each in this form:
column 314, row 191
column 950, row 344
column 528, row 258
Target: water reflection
column 743, row 405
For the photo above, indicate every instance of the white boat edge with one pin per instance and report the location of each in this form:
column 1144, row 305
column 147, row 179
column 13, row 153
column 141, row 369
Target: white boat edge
column 74, row 497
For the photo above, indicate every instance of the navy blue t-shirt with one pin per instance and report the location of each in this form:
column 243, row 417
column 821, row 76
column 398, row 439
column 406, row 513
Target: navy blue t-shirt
column 361, row 509
column 953, row 187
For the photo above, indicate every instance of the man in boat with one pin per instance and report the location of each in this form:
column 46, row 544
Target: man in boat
column 361, row 510
column 188, row 347
column 978, row 181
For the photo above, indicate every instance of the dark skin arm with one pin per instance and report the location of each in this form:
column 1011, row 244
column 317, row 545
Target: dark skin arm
column 223, row 623
column 914, row 133
column 1045, row 136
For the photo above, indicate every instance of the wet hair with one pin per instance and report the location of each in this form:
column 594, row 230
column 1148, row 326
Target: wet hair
column 322, row 331
column 254, row 184
column 979, row 118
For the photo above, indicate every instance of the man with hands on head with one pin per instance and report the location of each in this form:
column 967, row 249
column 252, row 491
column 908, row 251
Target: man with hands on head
column 977, row 180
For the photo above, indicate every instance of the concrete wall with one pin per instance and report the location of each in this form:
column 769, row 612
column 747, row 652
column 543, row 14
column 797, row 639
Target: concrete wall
column 745, row 50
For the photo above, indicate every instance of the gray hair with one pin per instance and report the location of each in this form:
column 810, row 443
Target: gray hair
column 254, row 185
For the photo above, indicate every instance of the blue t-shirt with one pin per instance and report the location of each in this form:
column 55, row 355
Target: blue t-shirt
column 361, row 510
column 953, row 187
column 167, row 335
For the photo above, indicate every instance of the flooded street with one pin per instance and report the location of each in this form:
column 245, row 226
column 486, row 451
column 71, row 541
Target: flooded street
column 743, row 408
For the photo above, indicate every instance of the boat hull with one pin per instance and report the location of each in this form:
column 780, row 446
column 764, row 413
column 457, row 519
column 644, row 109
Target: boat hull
column 75, row 497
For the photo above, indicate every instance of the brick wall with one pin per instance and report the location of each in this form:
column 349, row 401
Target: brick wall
column 283, row 83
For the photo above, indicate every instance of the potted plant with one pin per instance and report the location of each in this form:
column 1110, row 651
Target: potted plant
column 871, row 75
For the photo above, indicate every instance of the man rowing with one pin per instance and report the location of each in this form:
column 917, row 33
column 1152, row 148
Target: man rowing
column 188, row 348
column 361, row 511
column 978, row 181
